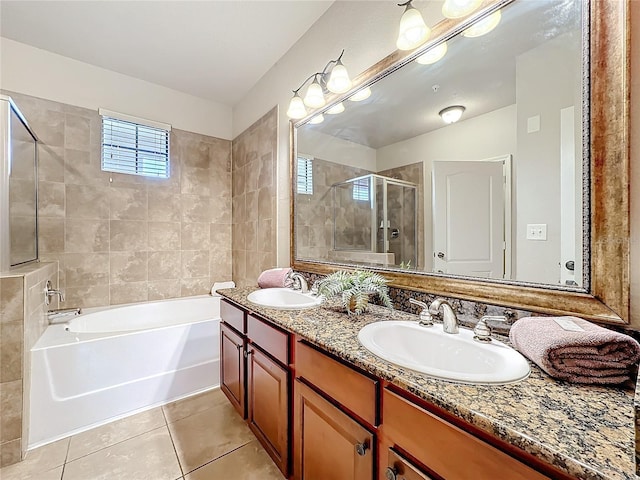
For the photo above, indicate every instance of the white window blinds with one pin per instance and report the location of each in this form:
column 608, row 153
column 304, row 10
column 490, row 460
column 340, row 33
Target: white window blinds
column 305, row 175
column 134, row 146
column 361, row 189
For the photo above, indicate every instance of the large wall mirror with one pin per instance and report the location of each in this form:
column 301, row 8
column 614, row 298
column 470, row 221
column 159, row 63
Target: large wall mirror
column 489, row 167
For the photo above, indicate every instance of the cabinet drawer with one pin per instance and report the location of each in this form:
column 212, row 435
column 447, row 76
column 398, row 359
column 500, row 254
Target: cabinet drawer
column 352, row 389
column 444, row 448
column 399, row 468
column 272, row 340
column 233, row 316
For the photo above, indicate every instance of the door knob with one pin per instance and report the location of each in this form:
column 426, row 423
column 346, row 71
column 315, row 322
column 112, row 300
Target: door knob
column 361, row 449
column 440, row 255
column 570, row 265
column 391, row 473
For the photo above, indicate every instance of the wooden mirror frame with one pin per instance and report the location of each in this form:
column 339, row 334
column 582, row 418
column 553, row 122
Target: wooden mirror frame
column 607, row 299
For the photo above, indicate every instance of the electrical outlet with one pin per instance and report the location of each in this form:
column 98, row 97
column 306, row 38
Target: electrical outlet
column 536, row 231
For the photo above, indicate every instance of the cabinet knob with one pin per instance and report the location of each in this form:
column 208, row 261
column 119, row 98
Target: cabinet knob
column 247, row 353
column 391, row 473
column 361, row 449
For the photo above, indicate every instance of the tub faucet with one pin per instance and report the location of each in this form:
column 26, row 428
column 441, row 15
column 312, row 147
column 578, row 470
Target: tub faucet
column 449, row 319
column 50, row 292
column 61, row 315
column 299, row 282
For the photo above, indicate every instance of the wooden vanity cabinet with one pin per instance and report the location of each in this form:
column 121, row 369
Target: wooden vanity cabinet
column 254, row 373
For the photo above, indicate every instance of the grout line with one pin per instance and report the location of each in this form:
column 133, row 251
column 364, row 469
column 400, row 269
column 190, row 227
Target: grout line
column 173, row 444
column 221, row 456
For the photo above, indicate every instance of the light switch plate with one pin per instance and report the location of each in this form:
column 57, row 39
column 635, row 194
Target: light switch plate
column 536, row 231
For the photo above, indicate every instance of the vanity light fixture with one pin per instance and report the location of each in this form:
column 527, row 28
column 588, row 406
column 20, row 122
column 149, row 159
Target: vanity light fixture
column 413, row 31
column 433, row 55
column 459, row 8
column 452, row 114
column 484, row 26
column 333, row 78
column 337, row 108
column 361, row 95
column 317, row 119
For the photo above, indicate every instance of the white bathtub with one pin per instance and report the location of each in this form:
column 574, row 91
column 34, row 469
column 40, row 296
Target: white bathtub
column 109, row 363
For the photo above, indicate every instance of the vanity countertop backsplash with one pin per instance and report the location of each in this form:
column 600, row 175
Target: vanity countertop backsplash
column 586, row 431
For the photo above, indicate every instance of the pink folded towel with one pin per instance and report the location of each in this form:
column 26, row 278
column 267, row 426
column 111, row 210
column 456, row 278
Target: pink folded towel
column 275, row 278
column 580, row 352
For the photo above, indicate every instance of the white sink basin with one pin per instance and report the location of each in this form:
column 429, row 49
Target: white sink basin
column 453, row 357
column 283, row 299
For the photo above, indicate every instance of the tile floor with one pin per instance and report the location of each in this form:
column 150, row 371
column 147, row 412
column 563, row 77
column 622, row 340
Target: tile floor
column 198, row 438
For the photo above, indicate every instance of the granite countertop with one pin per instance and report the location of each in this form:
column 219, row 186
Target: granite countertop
column 585, row 431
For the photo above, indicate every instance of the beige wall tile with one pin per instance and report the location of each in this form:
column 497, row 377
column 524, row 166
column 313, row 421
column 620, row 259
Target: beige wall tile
column 127, row 293
column 50, row 127
column 194, row 181
column 265, row 203
column 11, row 407
column 80, row 170
column 82, row 236
column 250, row 232
column 162, row 289
column 251, row 206
column 11, row 339
column 164, row 265
column 164, row 235
column 128, row 267
column 128, row 235
column 87, row 201
column 50, row 163
column 194, row 286
column 195, row 208
column 50, row 235
column 220, row 236
column 195, row 263
column 76, row 131
column 85, row 297
column 266, row 171
column 194, row 236
column 86, row 269
column 220, row 269
column 128, row 203
column 10, row 452
column 164, row 205
column 51, row 199
column 11, row 299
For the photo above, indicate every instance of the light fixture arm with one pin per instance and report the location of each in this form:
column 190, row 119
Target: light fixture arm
column 313, row 75
column 407, row 5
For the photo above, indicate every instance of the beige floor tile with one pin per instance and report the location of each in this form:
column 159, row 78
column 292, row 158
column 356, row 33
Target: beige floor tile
column 39, row 463
column 101, row 437
column 201, row 437
column 149, row 456
column 250, row 462
column 196, row 404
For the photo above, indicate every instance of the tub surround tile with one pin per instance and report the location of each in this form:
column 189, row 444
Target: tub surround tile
column 11, row 407
column 10, row 452
column 76, row 131
column 248, row 462
column 195, row 208
column 163, row 289
column 194, row 236
column 105, row 436
column 147, row 456
column 194, row 286
column 50, row 235
column 51, row 199
column 128, row 235
column 120, row 293
column 163, row 205
column 86, row 269
column 11, row 299
column 128, row 267
column 164, row 265
column 195, row 264
column 128, row 203
column 587, row 431
column 85, row 297
column 195, row 181
column 180, row 409
column 83, row 236
column 204, row 436
column 50, row 163
column 87, row 201
column 11, row 340
column 164, row 235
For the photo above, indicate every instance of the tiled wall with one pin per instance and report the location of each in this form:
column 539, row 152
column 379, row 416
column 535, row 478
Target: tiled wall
column 124, row 238
column 254, row 199
column 22, row 321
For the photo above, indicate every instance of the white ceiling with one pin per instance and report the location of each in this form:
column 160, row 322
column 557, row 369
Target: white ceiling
column 216, row 50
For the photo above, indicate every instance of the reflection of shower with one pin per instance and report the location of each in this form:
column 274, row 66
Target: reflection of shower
column 376, row 214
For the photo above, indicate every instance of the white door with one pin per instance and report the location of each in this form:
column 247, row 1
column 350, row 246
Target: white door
column 469, row 217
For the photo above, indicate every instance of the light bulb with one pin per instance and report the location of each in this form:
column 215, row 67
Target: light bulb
column 413, row 31
column 296, row 107
column 339, row 81
column 317, row 119
column 433, row 55
column 451, row 114
column 361, row 95
column 315, row 96
column 338, row 108
column 484, row 26
column 459, row 8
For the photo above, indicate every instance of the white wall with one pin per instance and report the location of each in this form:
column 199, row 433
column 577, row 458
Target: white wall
column 334, row 149
column 36, row 72
column 485, row 136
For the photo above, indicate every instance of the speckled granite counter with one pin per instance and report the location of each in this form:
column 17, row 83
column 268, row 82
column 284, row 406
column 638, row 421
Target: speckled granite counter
column 585, row 431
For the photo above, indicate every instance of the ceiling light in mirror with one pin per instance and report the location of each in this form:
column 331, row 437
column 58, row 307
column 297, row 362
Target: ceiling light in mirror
column 315, row 96
column 338, row 108
column 451, row 114
column 433, row 55
column 339, row 81
column 483, row 26
column 317, row 119
column 459, row 8
column 413, row 31
column 296, row 108
column 361, row 95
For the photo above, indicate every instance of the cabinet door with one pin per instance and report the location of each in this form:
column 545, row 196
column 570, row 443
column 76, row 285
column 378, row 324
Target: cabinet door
column 268, row 405
column 232, row 368
column 329, row 445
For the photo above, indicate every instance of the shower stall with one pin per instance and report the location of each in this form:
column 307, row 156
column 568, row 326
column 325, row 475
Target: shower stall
column 375, row 221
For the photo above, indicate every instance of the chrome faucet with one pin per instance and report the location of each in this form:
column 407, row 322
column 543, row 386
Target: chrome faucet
column 299, row 282
column 426, row 320
column 62, row 315
column 50, row 292
column 449, row 319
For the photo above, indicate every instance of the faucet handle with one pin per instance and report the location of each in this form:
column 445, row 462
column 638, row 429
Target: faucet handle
column 482, row 330
column 426, row 320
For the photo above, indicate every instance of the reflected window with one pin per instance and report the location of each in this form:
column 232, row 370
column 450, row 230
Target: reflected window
column 361, row 189
column 305, row 175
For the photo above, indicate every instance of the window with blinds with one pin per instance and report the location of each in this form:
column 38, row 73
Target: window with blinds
column 134, row 146
column 305, row 176
column 361, row 189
